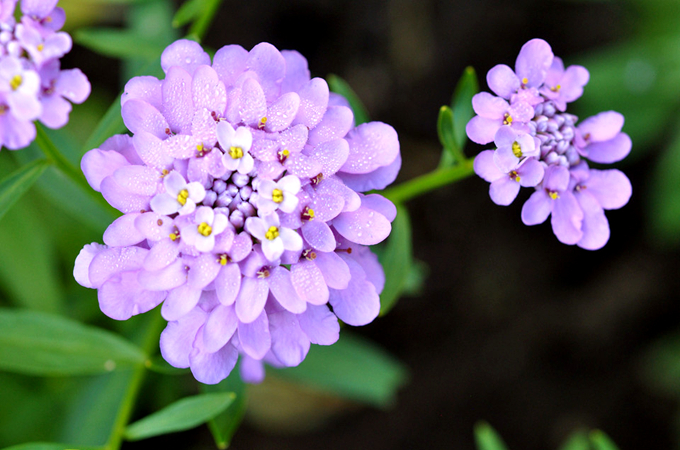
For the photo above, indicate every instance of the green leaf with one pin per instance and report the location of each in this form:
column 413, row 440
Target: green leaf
column 353, row 368
column 187, row 12
column 661, row 365
column 601, row 441
column 461, row 105
column 340, row 86
column 18, row 182
column 487, row 438
column 397, row 260
column 43, row 344
column 182, row 415
column 49, row 446
column 577, row 441
column 664, row 205
column 116, row 43
column 224, row 425
column 159, row 365
column 446, row 133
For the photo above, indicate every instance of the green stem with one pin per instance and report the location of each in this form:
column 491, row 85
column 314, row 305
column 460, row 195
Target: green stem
column 200, row 27
column 150, row 341
column 430, row 181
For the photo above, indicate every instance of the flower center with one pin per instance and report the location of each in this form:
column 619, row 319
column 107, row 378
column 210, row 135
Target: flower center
column 525, row 80
column 515, row 176
column 507, row 119
column 277, row 195
column 15, row 82
column 283, row 155
column 236, row 152
column 40, row 47
column 263, row 122
column 182, row 197
column 224, row 259
column 307, row 213
column 272, row 233
column 204, row 229
column 556, row 88
column 516, row 149
column 553, row 195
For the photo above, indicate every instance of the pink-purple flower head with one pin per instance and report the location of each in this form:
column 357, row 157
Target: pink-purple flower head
column 539, row 145
column 32, row 85
column 243, row 213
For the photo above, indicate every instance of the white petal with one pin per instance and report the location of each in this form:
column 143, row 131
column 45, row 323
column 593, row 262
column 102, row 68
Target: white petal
column 290, row 183
column 225, row 134
column 274, row 249
column 289, row 203
column 165, row 204
column 247, row 163
column 196, row 191
column 290, row 239
column 205, row 243
column 243, row 139
column 256, row 227
column 174, row 182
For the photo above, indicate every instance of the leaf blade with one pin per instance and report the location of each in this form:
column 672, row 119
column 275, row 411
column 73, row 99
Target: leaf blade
column 396, row 260
column 340, row 86
column 461, row 104
column 18, row 182
column 181, row 415
column 487, row 438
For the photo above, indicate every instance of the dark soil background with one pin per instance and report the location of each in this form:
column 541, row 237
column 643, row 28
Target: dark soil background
column 512, row 327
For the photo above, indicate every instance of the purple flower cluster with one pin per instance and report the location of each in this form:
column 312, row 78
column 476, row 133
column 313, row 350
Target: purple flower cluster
column 539, row 145
column 32, row 86
column 240, row 189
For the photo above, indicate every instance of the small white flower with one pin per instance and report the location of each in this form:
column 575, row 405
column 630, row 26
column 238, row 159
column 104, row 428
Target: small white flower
column 280, row 194
column 20, row 87
column 179, row 196
column 206, row 225
column 274, row 238
column 236, row 144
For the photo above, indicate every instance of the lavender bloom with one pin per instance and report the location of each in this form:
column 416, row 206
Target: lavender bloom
column 547, row 136
column 242, row 210
column 32, row 86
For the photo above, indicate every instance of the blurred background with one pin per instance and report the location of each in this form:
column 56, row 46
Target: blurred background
column 501, row 322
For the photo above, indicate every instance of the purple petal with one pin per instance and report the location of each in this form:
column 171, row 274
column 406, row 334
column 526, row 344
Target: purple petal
column 161, row 255
column 140, row 180
column 335, row 124
column 482, row 130
column 489, row 106
column 251, row 299
column 219, row 328
column 611, row 188
column 121, row 199
column 297, row 71
column 313, row 103
column 610, row 151
column 146, row 89
column 122, row 232
column 228, row 284
column 251, row 370
column 363, row 226
column 566, row 218
column 602, row 127
column 319, row 235
column 282, row 112
column 179, row 302
column 270, row 67
column 371, row 145
column 533, row 62
column 359, row 304
column 38, row 8
column 165, row 279
column 178, row 337
column 81, row 269
column 531, row 172
column 73, row 85
column 151, row 149
column 369, row 262
column 140, row 116
column 122, row 297
column 309, row 282
column 556, row 178
column 55, row 111
column 229, row 62
column 378, row 179
column 486, row 168
column 595, row 226
column 178, row 105
column 184, row 53
column 331, row 155
column 503, row 81
column 283, row 290
column 254, row 337
column 334, row 270
column 380, row 204
column 208, row 91
column 253, row 104
column 110, row 261
column 537, row 208
column 504, row 190
column 211, row 368
column 203, row 271
column 289, row 343
column 320, row 325
column 99, row 164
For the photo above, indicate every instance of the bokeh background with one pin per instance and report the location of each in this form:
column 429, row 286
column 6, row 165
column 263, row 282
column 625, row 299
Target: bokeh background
column 507, row 324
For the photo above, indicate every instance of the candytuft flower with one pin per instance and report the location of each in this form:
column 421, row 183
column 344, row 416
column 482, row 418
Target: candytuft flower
column 242, row 210
column 539, row 145
column 32, row 86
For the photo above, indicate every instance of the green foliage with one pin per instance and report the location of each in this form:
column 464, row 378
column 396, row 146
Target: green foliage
column 397, row 260
column 116, row 43
column 577, row 441
column 182, row 415
column 487, row 438
column 352, row 368
column 49, row 446
column 340, row 86
column 461, row 105
column 15, row 185
column 43, row 344
column 224, row 425
column 664, row 204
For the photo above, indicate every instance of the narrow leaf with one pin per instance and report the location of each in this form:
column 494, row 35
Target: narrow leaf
column 182, row 415
column 49, row 446
column 462, row 104
column 353, row 368
column 340, row 86
column 397, row 260
column 187, row 12
column 43, row 344
column 116, row 43
column 487, row 438
column 601, row 441
column 200, row 26
column 446, row 134
column 664, row 204
column 577, row 441
column 17, row 183
column 224, row 425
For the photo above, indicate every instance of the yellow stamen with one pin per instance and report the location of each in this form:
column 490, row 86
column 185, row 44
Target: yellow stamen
column 199, row 148
column 224, row 259
column 556, row 88
column 272, row 233
column 507, row 119
column 164, row 172
column 554, row 195
column 516, row 149
column 525, row 80
column 283, row 154
column 515, row 176
column 182, row 197
column 277, row 195
column 263, row 122
column 174, row 236
column 236, row 152
column 204, row 229
column 15, row 82
column 40, row 47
